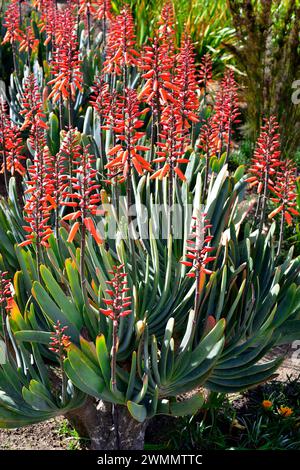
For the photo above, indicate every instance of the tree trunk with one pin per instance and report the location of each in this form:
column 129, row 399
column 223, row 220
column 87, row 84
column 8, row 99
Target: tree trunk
column 106, row 429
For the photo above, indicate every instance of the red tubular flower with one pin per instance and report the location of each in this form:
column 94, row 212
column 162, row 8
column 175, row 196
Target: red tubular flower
column 66, row 66
column 285, row 192
column 100, row 97
column 205, row 72
column 5, row 291
column 84, row 198
column 60, row 180
column 199, row 249
column 126, row 154
column 207, row 141
column 120, row 51
column 11, row 144
column 158, row 63
column 266, row 159
column 186, row 82
column 6, row 302
column 119, row 302
column 39, row 187
column 86, row 10
column 39, row 199
column 86, row 7
column 59, row 341
column 70, row 150
column 15, row 150
column 98, row 9
column 226, row 113
column 12, row 23
column 208, row 146
column 103, row 10
column 198, row 257
column 158, row 89
column 28, row 43
column 166, row 29
column 101, row 101
column 59, row 344
column 32, row 107
column 265, row 163
column 117, row 307
column 40, row 5
column 49, row 19
column 170, row 146
column 232, row 110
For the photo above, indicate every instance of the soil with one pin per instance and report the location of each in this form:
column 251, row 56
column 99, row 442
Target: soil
column 42, row 436
column 46, row 436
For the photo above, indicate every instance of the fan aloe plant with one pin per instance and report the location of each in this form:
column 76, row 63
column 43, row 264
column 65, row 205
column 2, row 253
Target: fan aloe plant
column 131, row 277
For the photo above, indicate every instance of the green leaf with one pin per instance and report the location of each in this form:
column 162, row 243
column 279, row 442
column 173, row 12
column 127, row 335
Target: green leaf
column 103, row 358
column 138, row 412
column 89, row 374
column 42, row 337
column 51, row 310
column 65, row 303
column 239, row 173
column 187, row 407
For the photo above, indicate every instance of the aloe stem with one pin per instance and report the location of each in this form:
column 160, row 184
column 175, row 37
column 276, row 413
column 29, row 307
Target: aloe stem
column 207, row 157
column 264, row 199
column 129, row 220
column 281, row 232
column 4, row 329
column 114, row 355
column 171, row 198
column 88, row 14
column 64, row 382
column 228, row 142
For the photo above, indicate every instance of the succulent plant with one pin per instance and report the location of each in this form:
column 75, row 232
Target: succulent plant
column 136, row 278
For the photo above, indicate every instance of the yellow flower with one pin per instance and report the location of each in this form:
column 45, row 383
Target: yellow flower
column 285, row 411
column 267, row 404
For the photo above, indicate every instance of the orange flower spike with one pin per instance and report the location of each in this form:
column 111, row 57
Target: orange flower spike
column 119, row 300
column 186, row 87
column 39, row 186
column 32, row 107
column 12, row 23
column 66, row 65
column 11, row 143
column 171, row 141
column 73, row 232
column 59, row 341
column 29, row 43
column 199, row 249
column 83, row 192
column 124, row 155
column 205, row 72
column 103, row 10
column 226, row 113
column 285, row 191
column 266, row 159
column 120, row 51
column 6, row 296
column 198, row 256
